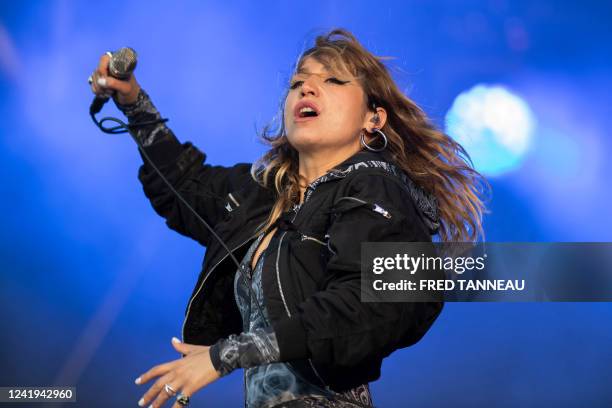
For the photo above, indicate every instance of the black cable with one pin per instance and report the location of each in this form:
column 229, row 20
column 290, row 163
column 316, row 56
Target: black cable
column 123, row 127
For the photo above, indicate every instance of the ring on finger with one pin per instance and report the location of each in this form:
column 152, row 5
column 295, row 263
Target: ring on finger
column 94, row 81
column 169, row 390
column 182, row 399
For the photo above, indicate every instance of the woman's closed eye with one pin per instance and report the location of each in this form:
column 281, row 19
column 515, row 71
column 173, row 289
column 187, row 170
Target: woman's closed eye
column 332, row 80
column 336, row 81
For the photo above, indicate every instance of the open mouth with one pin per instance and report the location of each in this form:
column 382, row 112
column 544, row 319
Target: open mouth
column 305, row 110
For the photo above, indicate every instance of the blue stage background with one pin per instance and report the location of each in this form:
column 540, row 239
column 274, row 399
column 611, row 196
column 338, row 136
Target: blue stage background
column 93, row 284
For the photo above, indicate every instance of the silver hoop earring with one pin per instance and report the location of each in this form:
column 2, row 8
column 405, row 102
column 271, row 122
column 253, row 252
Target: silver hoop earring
column 370, row 148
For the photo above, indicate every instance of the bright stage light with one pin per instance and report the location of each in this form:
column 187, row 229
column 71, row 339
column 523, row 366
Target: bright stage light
column 494, row 125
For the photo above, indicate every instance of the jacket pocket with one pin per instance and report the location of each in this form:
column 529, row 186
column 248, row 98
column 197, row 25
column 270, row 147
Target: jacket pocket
column 347, row 203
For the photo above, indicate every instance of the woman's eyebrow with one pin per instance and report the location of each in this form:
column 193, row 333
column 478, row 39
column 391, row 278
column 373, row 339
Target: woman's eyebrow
column 306, row 72
column 321, row 74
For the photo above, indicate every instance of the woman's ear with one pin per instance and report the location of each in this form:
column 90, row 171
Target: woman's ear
column 375, row 119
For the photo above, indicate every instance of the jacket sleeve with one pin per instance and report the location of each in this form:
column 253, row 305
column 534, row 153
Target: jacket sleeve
column 334, row 326
column 204, row 187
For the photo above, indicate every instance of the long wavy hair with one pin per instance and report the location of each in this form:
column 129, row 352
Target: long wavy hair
column 432, row 159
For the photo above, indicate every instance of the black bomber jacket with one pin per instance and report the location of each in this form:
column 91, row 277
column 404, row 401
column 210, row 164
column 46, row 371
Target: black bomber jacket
column 311, row 281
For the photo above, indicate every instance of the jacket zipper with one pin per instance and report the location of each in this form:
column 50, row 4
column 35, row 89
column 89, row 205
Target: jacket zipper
column 305, row 237
column 374, row 207
column 202, row 285
column 280, row 287
column 296, row 208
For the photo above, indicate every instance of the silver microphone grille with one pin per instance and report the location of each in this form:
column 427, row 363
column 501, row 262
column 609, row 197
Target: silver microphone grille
column 122, row 63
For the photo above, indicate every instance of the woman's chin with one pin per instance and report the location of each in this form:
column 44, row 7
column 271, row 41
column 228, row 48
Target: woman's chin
column 303, row 141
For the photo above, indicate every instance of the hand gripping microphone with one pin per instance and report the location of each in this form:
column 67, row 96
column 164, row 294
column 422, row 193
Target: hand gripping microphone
column 120, row 66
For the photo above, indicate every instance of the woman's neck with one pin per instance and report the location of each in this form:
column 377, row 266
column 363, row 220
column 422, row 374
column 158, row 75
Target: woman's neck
column 315, row 164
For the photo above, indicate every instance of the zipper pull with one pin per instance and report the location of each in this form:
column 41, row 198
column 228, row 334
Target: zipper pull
column 304, row 237
column 381, row 210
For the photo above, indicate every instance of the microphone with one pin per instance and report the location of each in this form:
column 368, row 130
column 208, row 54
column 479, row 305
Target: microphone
column 121, row 65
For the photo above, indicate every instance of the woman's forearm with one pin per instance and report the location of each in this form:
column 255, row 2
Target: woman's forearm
column 143, row 110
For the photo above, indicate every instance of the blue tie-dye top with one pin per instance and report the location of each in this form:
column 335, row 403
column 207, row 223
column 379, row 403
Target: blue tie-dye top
column 269, row 384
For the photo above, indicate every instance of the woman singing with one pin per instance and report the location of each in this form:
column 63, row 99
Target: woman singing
column 354, row 160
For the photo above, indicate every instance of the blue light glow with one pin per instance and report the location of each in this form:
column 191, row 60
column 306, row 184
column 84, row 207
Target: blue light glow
column 494, row 125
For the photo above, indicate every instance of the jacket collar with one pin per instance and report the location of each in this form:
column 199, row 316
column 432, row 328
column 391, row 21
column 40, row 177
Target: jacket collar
column 425, row 202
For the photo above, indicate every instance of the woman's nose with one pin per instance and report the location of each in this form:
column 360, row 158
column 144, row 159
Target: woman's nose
column 309, row 87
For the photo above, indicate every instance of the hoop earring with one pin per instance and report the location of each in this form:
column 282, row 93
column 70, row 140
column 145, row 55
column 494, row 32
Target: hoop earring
column 370, row 148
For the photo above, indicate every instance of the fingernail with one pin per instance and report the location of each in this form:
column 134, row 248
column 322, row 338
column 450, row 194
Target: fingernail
column 137, row 381
column 141, row 402
column 102, row 81
column 175, row 340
